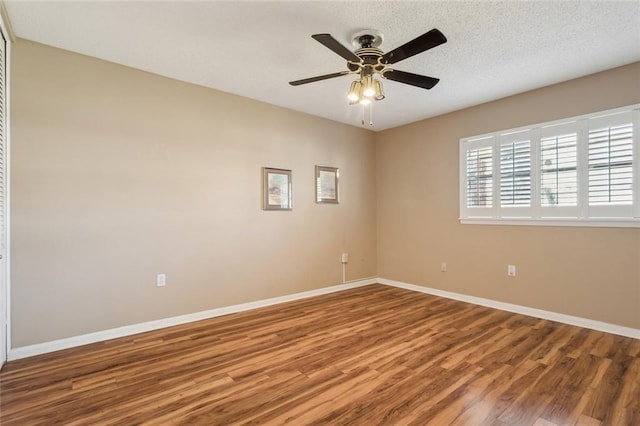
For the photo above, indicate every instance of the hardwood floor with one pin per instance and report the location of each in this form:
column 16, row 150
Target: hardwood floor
column 367, row 356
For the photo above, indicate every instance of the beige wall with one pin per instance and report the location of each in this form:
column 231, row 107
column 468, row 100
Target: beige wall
column 117, row 175
column 586, row 272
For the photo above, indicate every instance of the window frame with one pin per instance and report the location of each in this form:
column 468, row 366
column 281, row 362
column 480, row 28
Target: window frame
column 581, row 214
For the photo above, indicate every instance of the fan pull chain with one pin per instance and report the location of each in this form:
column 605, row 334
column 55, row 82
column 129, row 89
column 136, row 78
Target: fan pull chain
column 371, row 114
column 364, row 106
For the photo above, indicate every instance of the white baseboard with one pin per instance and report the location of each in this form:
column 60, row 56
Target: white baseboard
column 524, row 310
column 99, row 336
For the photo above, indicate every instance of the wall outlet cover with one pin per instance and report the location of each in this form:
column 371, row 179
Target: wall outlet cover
column 161, row 280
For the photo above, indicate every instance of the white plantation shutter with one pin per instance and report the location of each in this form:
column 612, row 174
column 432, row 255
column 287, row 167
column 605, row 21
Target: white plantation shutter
column 581, row 171
column 515, row 173
column 480, row 177
column 559, row 170
column 610, row 165
column 559, row 162
column 478, row 163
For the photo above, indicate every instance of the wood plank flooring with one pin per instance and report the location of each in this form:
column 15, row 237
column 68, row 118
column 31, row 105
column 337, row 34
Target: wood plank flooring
column 368, row 356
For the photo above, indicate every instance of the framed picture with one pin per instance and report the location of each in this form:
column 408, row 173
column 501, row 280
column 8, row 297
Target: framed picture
column 327, row 184
column 276, row 189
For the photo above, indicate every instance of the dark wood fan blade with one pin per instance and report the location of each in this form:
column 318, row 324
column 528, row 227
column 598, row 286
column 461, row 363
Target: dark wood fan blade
column 412, row 79
column 328, row 41
column 426, row 41
column 318, row 78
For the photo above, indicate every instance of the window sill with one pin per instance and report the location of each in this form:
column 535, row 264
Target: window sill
column 599, row 223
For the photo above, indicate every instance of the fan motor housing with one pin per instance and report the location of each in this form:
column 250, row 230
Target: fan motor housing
column 367, row 38
column 367, row 43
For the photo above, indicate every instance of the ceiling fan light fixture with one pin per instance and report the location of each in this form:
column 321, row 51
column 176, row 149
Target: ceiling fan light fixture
column 379, row 93
column 368, row 89
column 365, row 90
column 354, row 91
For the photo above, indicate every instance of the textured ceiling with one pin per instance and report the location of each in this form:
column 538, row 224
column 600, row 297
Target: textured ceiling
column 253, row 49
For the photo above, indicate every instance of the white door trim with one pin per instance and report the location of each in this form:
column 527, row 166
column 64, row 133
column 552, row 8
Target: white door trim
column 5, row 285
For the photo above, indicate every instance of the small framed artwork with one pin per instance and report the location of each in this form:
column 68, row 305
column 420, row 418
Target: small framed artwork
column 327, row 184
column 276, row 189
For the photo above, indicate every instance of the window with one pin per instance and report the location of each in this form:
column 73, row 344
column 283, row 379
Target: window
column 478, row 167
column 610, row 165
column 480, row 177
column 579, row 171
column 515, row 170
column 559, row 170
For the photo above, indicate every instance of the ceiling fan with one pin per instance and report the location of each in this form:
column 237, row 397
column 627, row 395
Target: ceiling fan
column 367, row 60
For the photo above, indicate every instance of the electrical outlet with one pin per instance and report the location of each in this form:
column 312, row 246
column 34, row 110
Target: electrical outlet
column 511, row 270
column 443, row 266
column 161, row 280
